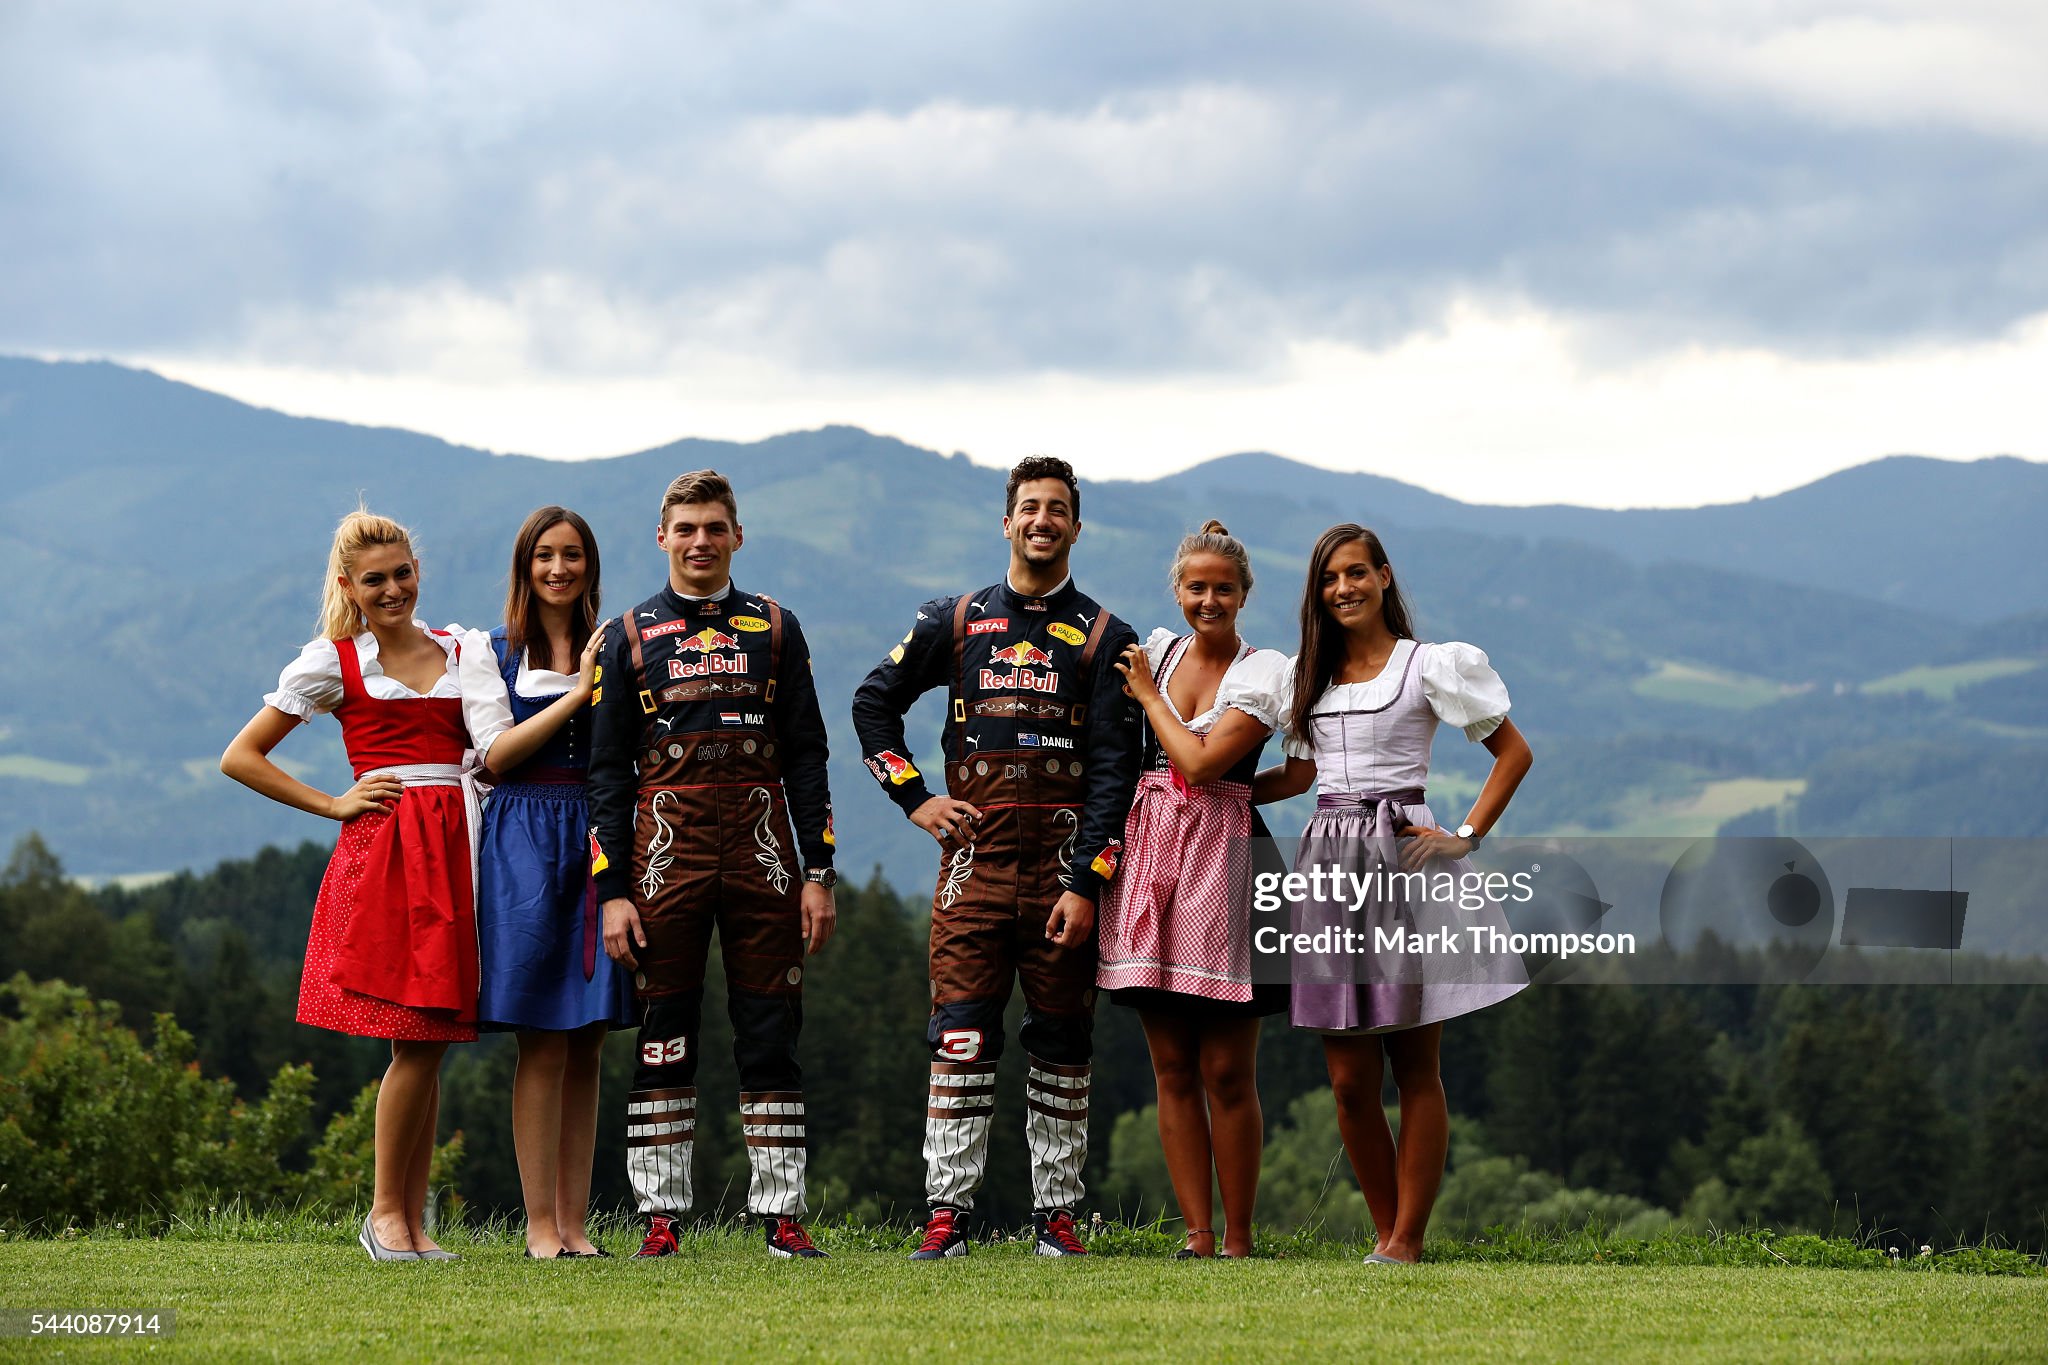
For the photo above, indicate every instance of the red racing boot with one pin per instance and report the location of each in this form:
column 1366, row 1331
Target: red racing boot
column 1056, row 1235
column 942, row 1239
column 660, row 1239
column 786, row 1237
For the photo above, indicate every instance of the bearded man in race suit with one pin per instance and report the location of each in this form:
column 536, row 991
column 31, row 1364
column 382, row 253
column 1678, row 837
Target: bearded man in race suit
column 1040, row 759
column 706, row 741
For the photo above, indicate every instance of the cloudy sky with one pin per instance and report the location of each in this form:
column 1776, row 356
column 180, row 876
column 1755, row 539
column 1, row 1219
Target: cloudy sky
column 1513, row 250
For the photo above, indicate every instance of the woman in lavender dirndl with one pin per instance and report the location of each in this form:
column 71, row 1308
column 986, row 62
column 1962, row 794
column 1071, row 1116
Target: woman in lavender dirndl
column 528, row 684
column 1174, row 931
column 1365, row 700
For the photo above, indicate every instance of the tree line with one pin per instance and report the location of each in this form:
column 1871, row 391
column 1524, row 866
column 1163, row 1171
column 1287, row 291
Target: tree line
column 1907, row 1108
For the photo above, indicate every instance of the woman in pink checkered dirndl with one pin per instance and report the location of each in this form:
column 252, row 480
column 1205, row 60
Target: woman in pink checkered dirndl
column 1174, row 933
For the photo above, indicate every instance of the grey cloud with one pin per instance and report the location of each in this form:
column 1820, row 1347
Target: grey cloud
column 963, row 189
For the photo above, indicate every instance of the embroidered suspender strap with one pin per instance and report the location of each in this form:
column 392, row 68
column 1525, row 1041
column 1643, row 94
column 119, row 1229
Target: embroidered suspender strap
column 1173, row 652
column 647, row 707
column 1155, row 754
column 960, row 659
column 1080, row 712
column 774, row 651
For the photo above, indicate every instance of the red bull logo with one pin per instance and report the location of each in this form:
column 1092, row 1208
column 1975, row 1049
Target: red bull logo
column 1020, row 658
column 706, row 642
column 892, row 767
column 1020, row 654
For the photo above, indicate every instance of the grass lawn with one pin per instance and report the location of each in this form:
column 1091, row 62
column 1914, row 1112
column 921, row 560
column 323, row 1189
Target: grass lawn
column 724, row 1299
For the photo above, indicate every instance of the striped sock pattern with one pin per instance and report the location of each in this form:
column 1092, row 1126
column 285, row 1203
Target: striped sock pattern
column 661, row 1126
column 772, row 1122
column 961, row 1103
column 1056, row 1130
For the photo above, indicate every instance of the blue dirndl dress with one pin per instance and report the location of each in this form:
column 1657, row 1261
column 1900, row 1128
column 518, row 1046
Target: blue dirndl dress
column 540, row 936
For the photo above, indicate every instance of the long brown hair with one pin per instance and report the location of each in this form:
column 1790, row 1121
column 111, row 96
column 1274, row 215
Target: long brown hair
column 524, row 630
column 1322, row 645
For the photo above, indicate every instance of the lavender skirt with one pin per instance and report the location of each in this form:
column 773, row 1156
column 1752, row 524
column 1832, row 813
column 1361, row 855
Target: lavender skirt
column 1377, row 987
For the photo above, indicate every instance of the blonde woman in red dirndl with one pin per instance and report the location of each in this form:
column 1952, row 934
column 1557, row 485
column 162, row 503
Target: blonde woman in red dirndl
column 392, row 952
column 1174, row 933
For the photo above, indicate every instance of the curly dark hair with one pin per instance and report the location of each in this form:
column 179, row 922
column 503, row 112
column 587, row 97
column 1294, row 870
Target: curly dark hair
column 1041, row 467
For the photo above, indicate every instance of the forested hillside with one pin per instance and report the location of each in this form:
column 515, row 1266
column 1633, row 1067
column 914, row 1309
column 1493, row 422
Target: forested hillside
column 1915, row 1108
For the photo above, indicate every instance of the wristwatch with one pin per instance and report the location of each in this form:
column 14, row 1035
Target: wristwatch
column 827, row 877
column 1466, row 832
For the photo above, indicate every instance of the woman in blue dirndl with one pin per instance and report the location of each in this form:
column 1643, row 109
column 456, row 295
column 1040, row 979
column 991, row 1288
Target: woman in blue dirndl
column 544, row 972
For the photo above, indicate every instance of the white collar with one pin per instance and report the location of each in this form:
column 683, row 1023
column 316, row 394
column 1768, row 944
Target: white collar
column 1054, row 591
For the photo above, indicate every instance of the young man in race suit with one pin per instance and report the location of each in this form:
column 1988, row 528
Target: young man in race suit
column 706, row 740
column 1040, row 759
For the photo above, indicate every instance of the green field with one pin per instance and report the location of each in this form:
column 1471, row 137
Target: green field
column 1698, row 685
column 724, row 1299
column 1943, row 680
column 1712, row 806
column 1693, row 813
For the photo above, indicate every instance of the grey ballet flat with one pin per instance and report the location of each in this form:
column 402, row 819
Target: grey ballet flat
column 437, row 1254
column 1376, row 1258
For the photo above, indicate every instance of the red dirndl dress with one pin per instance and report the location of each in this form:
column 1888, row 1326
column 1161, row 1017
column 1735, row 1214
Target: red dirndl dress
column 392, row 953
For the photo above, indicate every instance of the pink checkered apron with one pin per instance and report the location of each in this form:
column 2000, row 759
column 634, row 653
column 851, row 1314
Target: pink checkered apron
column 1177, row 916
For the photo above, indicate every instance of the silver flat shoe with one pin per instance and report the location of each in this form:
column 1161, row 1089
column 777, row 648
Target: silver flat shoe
column 437, row 1254
column 378, row 1251
column 1377, row 1258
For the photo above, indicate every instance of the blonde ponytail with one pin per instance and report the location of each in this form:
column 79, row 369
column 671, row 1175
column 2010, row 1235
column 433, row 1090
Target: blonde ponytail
column 1212, row 539
column 359, row 530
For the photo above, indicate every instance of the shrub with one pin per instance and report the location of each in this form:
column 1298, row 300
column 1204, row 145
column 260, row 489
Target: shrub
column 93, row 1122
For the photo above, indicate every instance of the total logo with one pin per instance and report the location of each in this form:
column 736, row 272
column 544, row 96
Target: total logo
column 1020, row 656
column 706, row 642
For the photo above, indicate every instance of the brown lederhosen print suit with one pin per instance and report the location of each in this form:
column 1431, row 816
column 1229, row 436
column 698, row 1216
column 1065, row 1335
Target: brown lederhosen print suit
column 1042, row 740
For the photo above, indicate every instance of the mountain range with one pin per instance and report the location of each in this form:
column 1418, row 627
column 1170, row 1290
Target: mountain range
column 1777, row 662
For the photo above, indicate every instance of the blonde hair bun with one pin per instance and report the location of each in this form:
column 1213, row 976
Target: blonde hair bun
column 1212, row 539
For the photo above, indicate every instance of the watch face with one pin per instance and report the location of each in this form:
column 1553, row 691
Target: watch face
column 1464, row 831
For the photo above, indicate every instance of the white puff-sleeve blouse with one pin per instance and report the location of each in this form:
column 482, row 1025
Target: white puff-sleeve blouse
column 1458, row 682
column 1463, row 689
column 1255, row 684
column 485, row 705
column 310, row 685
